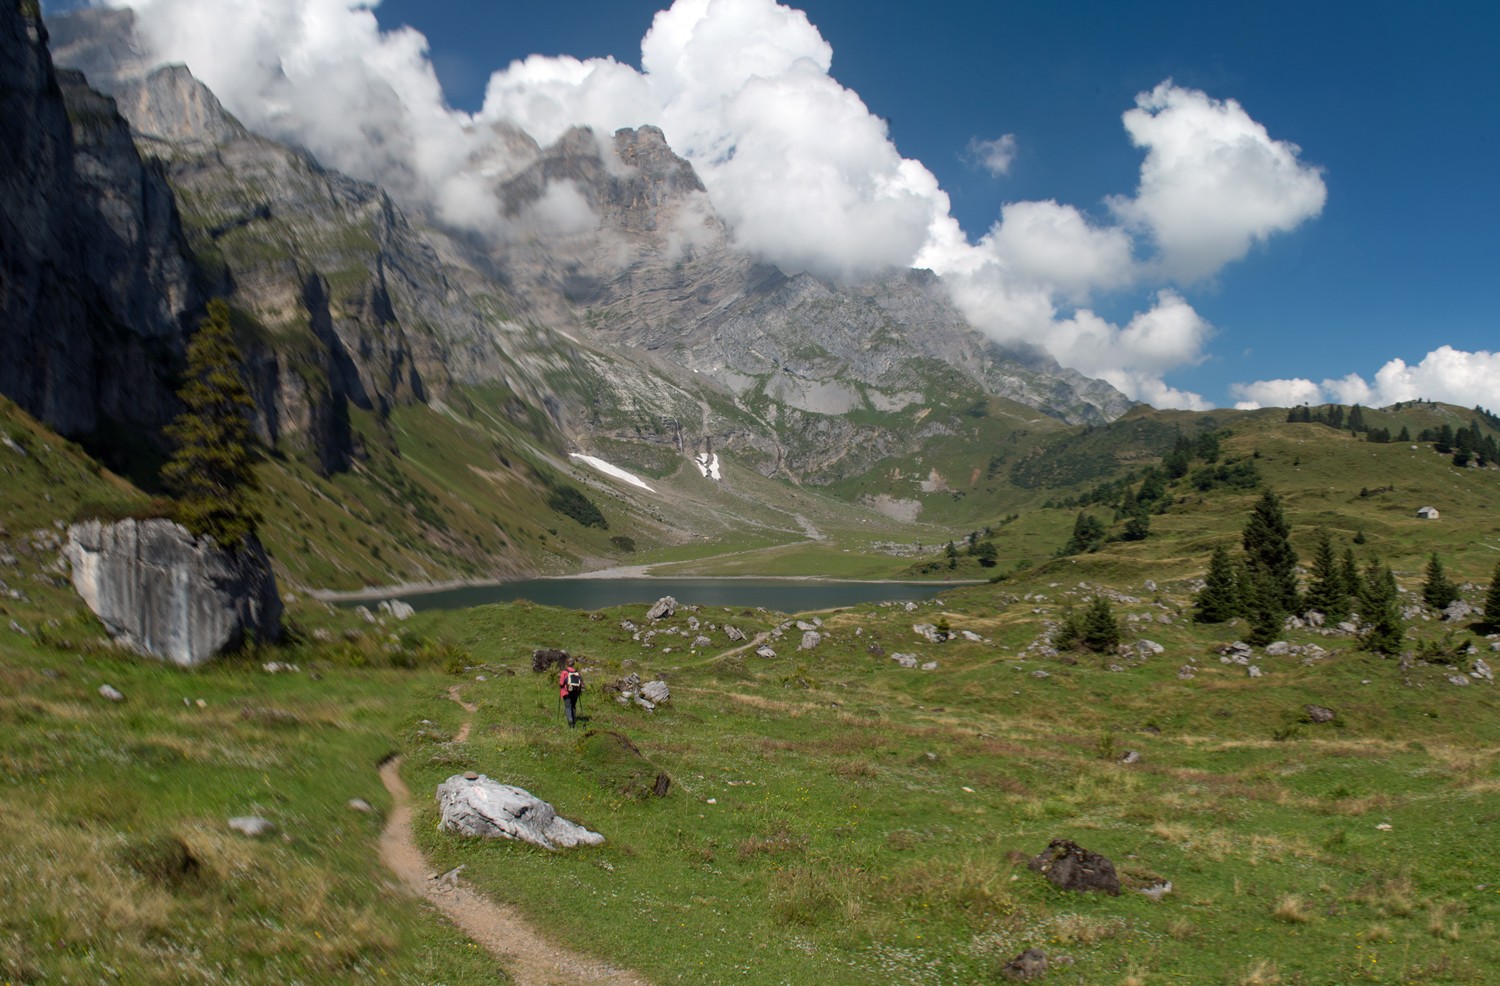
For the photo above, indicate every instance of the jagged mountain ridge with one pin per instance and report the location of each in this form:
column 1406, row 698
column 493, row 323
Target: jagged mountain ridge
column 647, row 327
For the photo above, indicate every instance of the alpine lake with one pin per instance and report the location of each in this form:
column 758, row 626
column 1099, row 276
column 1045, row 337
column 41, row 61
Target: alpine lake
column 583, row 593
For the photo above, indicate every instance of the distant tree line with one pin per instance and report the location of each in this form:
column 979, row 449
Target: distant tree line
column 1466, row 445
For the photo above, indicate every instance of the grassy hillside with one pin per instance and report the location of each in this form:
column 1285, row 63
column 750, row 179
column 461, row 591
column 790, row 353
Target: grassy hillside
column 831, row 811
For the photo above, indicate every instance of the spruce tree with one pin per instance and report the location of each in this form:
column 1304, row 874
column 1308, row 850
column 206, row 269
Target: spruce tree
column 212, row 472
column 1327, row 593
column 1437, row 590
column 1100, row 631
column 1382, row 627
column 1349, row 574
column 1261, row 606
column 1219, row 599
column 1492, row 602
column 1269, row 552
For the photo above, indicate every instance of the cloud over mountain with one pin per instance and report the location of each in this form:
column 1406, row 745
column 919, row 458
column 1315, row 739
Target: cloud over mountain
column 803, row 172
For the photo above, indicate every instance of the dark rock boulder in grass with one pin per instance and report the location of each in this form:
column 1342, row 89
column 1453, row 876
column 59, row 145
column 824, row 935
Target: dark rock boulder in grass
column 166, row 594
column 1069, row 866
column 480, row 806
column 1029, row 966
column 547, row 657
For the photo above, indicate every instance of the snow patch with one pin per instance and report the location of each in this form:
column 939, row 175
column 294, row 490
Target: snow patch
column 708, row 464
column 611, row 470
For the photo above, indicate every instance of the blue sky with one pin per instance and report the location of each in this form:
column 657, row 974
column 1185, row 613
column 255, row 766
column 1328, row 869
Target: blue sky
column 1392, row 106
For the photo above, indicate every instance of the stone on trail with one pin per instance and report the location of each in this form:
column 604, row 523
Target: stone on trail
column 1069, row 866
column 487, row 808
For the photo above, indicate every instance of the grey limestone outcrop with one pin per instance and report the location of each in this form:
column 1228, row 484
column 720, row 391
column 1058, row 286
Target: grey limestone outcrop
column 166, row 594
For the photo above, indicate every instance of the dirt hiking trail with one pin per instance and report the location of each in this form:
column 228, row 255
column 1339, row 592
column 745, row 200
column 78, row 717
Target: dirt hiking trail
column 526, row 956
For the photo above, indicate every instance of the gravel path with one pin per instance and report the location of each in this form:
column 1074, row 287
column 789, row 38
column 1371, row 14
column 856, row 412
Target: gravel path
column 529, row 958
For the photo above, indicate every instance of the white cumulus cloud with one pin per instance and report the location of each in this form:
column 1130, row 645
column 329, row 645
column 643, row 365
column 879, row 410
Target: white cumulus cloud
column 1214, row 182
column 1446, row 374
column 995, row 156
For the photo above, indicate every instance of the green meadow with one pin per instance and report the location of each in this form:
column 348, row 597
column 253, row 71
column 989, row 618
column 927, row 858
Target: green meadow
column 832, row 815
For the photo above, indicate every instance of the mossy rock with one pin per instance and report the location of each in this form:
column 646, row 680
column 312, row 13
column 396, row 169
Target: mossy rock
column 619, row 765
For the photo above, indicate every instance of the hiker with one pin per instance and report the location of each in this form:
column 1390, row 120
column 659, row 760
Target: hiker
column 569, row 686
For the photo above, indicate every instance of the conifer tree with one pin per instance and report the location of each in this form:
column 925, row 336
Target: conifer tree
column 1088, row 534
column 1437, row 590
column 1382, row 627
column 1100, row 631
column 1349, row 573
column 1261, row 606
column 1327, row 593
column 212, row 474
column 1219, row 599
column 987, row 554
column 1269, row 553
column 1492, row 601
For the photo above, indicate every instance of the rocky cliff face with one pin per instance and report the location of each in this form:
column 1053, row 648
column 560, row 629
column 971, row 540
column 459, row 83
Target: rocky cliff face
column 636, row 319
column 94, row 281
column 164, row 594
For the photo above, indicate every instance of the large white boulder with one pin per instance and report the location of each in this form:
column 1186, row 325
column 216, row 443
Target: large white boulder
column 478, row 805
column 166, row 594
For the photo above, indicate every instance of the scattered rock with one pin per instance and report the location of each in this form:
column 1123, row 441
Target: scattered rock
column 905, row 660
column 734, row 633
column 930, row 666
column 1156, row 889
column 1279, row 648
column 17, row 628
column 1131, row 756
column 805, row 626
column 363, row 612
column 1482, row 670
column 487, row 808
column 1039, row 673
column 656, row 692
column 665, row 607
column 1254, row 671
column 1347, row 627
column 1318, row 713
column 1458, row 610
column 359, row 805
column 252, row 825
column 1458, row 679
column 1186, row 672
column 702, row 641
column 1030, row 965
column 279, row 667
column 112, row 693
column 1069, row 866
column 930, row 632
column 1148, row 648
column 764, row 651
column 810, row 639
column 397, row 609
